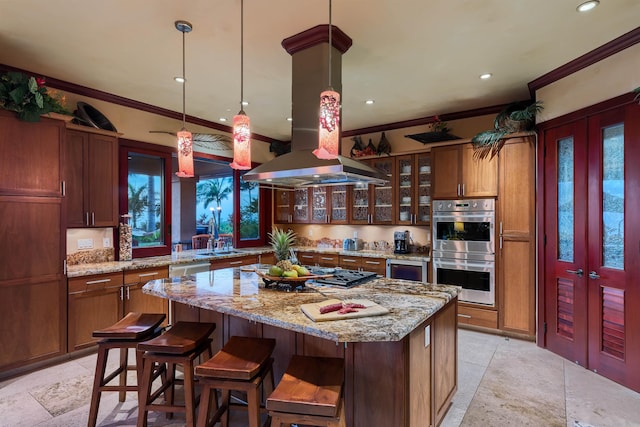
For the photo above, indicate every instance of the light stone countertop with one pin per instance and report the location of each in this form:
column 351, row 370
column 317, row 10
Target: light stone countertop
column 240, row 292
column 191, row 256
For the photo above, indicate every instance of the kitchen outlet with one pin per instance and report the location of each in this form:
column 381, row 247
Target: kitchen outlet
column 310, row 232
column 85, row 243
column 106, row 242
column 427, row 335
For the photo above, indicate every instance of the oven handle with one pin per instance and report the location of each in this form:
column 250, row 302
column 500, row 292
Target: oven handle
column 484, row 216
column 465, row 265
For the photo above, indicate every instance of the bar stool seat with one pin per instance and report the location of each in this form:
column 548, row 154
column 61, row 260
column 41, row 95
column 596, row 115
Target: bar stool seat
column 309, row 393
column 241, row 365
column 124, row 334
column 180, row 345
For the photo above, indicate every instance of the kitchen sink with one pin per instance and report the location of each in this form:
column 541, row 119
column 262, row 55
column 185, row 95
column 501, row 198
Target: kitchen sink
column 216, row 253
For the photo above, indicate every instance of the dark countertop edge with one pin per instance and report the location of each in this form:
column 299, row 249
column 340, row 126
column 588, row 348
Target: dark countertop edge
column 191, row 256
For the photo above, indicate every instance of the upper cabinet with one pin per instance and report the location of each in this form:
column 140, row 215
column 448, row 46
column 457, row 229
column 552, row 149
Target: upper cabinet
column 381, row 203
column 413, row 189
column 91, row 179
column 28, row 154
column 457, row 174
column 282, row 206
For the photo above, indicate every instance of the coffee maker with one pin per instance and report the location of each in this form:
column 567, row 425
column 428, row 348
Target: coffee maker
column 401, row 240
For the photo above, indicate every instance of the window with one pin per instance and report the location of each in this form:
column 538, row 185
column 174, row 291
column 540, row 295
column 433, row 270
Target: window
column 144, row 175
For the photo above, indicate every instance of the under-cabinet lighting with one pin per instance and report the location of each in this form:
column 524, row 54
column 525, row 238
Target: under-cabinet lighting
column 486, row 76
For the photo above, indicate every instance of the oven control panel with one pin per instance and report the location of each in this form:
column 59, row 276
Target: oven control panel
column 471, row 205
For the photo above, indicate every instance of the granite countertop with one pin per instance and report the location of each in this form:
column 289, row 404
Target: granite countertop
column 240, row 292
column 200, row 255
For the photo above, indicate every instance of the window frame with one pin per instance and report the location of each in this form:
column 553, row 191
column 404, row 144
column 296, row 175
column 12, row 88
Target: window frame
column 126, row 146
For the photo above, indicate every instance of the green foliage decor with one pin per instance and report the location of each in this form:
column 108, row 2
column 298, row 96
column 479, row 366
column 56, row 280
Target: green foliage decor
column 27, row 96
column 516, row 117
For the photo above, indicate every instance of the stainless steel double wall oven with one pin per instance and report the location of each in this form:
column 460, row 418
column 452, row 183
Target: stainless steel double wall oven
column 463, row 251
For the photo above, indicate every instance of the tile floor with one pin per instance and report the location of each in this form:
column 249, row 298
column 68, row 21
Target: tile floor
column 501, row 382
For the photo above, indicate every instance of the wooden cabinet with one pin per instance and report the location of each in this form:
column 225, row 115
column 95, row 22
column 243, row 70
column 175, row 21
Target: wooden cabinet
column 371, row 204
column 300, row 211
column 307, row 258
column 91, row 179
column 413, row 189
column 516, row 237
column 327, row 260
column 32, row 282
column 95, row 302
column 137, row 301
column 217, row 264
column 375, row 265
column 457, row 174
column 477, row 316
column 283, row 206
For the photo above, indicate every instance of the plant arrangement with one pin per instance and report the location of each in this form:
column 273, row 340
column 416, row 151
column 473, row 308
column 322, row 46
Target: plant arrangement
column 281, row 241
column 438, row 131
column 515, row 117
column 28, row 97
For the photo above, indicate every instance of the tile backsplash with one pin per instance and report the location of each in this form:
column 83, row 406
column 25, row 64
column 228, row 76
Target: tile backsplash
column 89, row 245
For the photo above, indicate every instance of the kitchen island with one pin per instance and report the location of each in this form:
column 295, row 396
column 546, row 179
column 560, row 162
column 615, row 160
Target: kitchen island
column 400, row 368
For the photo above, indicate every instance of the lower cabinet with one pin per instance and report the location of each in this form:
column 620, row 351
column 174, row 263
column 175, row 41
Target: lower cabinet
column 217, row 264
column 375, row 265
column 99, row 301
column 137, row 301
column 476, row 316
column 94, row 303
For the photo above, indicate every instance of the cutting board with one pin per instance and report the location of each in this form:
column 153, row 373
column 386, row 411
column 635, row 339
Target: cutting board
column 313, row 310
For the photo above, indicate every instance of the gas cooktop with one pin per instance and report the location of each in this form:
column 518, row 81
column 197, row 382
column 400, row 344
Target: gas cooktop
column 346, row 278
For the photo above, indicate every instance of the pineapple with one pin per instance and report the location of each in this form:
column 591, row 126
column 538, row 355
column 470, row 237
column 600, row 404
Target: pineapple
column 280, row 242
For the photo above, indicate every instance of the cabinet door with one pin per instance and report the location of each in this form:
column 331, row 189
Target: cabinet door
column 95, row 302
column 137, row 301
column 102, row 178
column 405, row 190
column 446, row 172
column 301, row 211
column 479, row 177
column 383, row 196
column 75, row 182
column 423, row 189
column 319, row 205
column 30, row 155
column 360, row 200
column 283, row 200
column 516, row 246
column 338, row 213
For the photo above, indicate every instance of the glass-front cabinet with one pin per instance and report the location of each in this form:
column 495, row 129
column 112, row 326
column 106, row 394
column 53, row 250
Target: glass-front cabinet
column 413, row 189
column 339, row 207
column 383, row 196
column 301, row 212
column 282, row 206
column 360, row 197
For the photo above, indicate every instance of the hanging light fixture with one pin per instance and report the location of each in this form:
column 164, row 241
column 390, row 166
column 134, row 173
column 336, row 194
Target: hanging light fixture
column 241, row 123
column 185, row 139
column 329, row 135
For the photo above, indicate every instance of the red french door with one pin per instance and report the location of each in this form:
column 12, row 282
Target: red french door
column 592, row 243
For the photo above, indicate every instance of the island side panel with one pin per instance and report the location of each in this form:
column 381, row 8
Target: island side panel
column 445, row 361
column 285, row 348
column 420, row 379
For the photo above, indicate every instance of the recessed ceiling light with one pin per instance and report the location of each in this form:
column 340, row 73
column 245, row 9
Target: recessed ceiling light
column 587, row 6
column 486, row 76
column 245, row 103
column 179, row 79
column 369, row 101
column 289, row 119
column 222, row 119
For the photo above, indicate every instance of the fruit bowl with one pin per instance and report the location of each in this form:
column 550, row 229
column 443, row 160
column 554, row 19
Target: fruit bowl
column 299, row 280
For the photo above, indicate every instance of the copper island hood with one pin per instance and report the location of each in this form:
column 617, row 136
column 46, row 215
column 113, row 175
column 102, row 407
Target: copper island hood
column 300, row 167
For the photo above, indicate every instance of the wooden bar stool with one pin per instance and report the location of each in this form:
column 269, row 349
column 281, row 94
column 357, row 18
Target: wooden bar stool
column 180, row 345
column 241, row 365
column 309, row 393
column 124, row 334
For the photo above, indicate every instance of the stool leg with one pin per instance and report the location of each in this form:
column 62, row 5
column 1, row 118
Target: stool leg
column 171, row 380
column 144, row 392
column 253, row 400
column 124, row 363
column 226, row 397
column 276, row 421
column 101, row 366
column 205, row 400
column 189, row 394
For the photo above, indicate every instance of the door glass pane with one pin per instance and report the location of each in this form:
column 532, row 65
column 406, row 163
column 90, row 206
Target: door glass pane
column 613, row 196
column 249, row 210
column 565, row 200
column 146, row 199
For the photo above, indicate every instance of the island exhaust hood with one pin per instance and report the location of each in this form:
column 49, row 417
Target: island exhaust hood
column 300, row 167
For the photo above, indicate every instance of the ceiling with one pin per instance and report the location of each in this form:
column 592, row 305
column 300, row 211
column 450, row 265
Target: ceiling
column 414, row 58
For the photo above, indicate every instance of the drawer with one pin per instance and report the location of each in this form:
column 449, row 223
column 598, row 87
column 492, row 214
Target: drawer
column 307, row 258
column 234, row 262
column 327, row 260
column 350, row 262
column 143, row 275
column 376, row 265
column 477, row 317
column 95, row 282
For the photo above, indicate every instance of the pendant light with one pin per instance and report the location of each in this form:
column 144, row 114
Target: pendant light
column 185, row 139
column 241, row 123
column 329, row 129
